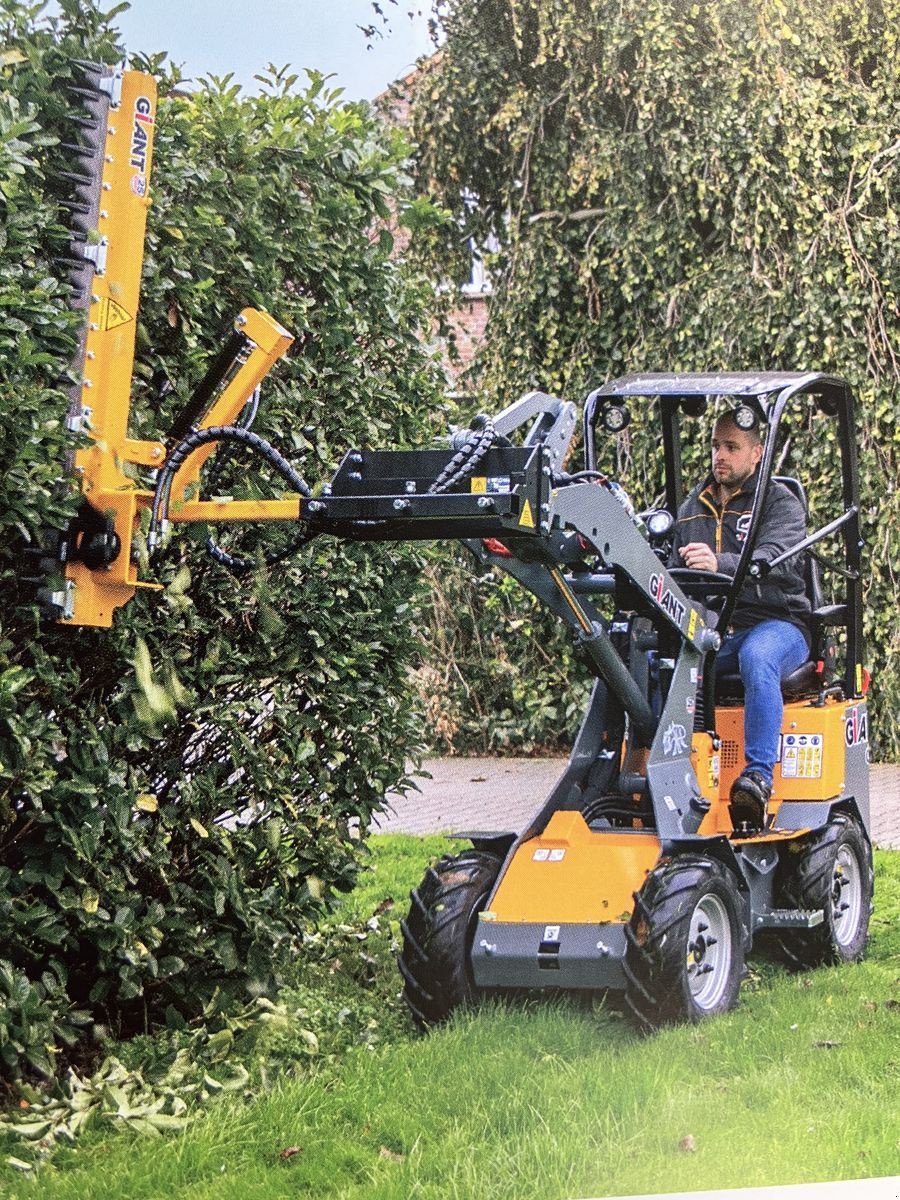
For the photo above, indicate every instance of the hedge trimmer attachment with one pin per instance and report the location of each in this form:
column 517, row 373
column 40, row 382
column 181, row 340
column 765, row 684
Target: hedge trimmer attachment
column 100, row 550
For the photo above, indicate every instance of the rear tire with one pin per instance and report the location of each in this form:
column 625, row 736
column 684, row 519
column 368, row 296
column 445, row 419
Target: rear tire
column 831, row 869
column 435, row 960
column 684, row 959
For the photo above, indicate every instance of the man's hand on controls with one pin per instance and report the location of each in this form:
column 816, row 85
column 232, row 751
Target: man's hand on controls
column 699, row 557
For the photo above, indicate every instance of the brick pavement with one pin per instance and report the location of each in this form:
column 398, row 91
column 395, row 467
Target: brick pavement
column 503, row 793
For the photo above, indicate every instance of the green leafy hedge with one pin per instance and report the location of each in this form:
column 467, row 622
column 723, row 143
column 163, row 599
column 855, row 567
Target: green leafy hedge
column 681, row 186
column 179, row 795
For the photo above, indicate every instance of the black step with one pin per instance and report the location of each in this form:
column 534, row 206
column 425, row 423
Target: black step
column 793, row 918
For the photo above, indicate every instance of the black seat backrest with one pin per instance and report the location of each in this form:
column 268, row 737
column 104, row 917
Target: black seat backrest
column 824, row 617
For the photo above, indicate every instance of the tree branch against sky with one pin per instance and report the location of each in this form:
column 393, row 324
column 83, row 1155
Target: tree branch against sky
column 220, row 36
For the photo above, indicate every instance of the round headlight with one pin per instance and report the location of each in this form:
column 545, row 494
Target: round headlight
column 659, row 523
column 744, row 417
column 615, row 418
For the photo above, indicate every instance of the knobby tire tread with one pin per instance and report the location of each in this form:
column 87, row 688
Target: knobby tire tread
column 807, row 869
column 437, row 934
column 657, row 938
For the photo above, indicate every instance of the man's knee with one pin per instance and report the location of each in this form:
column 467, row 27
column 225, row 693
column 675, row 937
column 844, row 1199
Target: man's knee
column 760, row 670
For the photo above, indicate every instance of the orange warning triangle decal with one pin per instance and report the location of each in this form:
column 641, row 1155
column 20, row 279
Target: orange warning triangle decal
column 527, row 517
column 112, row 314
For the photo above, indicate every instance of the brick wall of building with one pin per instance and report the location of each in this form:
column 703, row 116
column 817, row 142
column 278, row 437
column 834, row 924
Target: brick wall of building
column 468, row 323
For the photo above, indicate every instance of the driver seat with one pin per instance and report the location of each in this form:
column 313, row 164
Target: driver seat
column 819, row 670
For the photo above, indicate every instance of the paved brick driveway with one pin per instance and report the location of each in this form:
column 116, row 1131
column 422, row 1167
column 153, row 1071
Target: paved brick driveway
column 503, row 793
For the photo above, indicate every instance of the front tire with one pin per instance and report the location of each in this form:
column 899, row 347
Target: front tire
column 435, row 960
column 831, row 869
column 684, row 959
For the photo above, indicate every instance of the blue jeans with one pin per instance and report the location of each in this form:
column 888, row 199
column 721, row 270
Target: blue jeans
column 764, row 655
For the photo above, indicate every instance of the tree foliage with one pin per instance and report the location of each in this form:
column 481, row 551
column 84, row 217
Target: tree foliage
column 684, row 186
column 179, row 795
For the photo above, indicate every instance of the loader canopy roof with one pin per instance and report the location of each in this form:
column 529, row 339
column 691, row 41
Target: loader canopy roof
column 723, row 383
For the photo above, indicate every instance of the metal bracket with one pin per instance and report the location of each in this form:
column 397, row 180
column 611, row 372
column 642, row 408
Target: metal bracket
column 65, row 600
column 96, row 253
column 80, row 421
column 112, row 85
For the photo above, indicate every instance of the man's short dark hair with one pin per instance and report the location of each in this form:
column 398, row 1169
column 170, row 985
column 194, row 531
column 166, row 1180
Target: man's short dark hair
column 727, row 418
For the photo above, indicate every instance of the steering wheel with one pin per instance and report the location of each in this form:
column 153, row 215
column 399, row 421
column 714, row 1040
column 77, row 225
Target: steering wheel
column 694, row 582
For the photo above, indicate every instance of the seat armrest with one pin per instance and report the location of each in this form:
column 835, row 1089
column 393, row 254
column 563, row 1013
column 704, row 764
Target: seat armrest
column 831, row 614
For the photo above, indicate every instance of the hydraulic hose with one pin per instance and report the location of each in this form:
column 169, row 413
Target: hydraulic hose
column 469, row 455
column 202, row 437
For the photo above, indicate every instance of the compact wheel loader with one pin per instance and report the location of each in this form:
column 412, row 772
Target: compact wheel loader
column 633, row 874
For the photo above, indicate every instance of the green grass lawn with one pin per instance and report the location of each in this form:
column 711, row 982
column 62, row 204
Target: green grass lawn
column 541, row 1099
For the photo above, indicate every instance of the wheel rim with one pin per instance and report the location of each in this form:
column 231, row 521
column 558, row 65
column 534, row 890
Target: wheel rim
column 709, row 952
column 846, row 896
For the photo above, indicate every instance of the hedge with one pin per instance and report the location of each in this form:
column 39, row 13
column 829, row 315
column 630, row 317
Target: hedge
column 181, row 794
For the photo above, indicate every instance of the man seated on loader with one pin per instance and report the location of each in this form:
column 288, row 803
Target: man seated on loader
column 768, row 637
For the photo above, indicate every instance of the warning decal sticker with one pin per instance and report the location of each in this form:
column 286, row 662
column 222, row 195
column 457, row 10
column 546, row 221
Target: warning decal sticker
column 112, row 315
column 527, row 517
column 801, row 756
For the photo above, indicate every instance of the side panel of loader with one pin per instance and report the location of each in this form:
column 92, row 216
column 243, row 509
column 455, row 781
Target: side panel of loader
column 820, row 746
column 571, row 873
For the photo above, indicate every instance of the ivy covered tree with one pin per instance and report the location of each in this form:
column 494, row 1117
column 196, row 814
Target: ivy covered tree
column 682, row 186
column 180, row 794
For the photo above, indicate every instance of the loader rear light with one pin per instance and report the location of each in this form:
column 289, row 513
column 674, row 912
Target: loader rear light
column 866, row 680
column 493, row 546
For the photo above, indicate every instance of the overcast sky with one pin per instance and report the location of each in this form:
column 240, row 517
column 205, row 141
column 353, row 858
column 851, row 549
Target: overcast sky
column 221, row 36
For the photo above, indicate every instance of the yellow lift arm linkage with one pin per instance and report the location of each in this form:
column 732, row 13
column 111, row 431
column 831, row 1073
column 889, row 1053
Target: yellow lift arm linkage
column 101, row 558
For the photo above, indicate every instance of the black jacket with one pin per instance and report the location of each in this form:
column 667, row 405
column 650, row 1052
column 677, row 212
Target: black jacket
column 782, row 593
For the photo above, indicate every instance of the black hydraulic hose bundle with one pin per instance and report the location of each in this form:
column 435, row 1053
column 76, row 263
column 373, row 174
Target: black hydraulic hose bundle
column 219, row 463
column 468, row 456
column 202, row 437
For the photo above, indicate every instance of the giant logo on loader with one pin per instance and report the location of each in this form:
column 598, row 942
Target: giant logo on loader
column 665, row 599
column 140, row 143
column 856, row 726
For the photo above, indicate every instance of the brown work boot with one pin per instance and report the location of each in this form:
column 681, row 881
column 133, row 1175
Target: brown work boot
column 749, row 807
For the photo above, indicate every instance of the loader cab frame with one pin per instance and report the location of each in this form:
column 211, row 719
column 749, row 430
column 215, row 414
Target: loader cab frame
column 764, row 399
